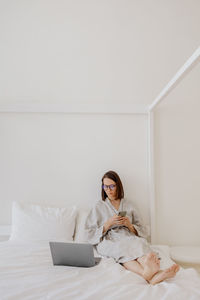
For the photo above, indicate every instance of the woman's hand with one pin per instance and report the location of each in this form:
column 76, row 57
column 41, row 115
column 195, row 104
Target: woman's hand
column 126, row 222
column 117, row 220
column 114, row 220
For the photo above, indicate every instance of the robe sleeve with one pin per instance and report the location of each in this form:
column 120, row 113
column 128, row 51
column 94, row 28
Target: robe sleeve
column 94, row 226
column 138, row 224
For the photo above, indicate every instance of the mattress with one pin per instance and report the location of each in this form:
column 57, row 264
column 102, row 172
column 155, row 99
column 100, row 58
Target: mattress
column 27, row 272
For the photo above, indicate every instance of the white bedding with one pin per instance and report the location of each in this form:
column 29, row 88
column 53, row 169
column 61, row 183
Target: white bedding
column 26, row 272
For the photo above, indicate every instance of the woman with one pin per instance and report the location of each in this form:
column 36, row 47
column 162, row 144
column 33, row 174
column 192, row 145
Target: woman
column 122, row 237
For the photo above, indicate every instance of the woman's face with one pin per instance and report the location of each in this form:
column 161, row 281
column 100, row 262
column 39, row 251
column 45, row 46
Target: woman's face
column 110, row 188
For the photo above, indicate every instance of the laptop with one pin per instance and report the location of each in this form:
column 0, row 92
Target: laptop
column 73, row 254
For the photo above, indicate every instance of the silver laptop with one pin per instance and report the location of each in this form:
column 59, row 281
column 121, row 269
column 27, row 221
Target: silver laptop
column 73, row 254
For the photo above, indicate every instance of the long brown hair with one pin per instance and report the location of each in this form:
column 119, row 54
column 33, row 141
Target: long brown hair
column 115, row 177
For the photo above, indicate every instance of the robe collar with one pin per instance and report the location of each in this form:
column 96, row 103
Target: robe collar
column 112, row 207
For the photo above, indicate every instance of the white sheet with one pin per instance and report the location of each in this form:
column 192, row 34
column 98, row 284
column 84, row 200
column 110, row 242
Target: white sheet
column 26, row 272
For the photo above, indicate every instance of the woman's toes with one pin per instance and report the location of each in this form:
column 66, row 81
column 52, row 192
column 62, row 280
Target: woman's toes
column 170, row 269
column 177, row 268
column 173, row 269
column 151, row 255
column 174, row 266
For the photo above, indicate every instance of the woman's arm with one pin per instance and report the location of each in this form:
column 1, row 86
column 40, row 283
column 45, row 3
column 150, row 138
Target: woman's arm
column 106, row 226
column 114, row 220
column 93, row 227
column 132, row 229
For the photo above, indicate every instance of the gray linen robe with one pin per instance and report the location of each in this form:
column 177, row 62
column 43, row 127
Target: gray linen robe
column 118, row 242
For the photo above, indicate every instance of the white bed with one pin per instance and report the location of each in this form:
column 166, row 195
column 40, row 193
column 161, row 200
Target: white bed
column 27, row 272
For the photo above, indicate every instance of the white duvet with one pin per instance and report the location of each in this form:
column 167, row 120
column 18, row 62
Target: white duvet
column 27, row 272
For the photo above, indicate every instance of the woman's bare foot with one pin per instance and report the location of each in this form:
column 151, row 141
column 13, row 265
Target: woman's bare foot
column 165, row 274
column 151, row 266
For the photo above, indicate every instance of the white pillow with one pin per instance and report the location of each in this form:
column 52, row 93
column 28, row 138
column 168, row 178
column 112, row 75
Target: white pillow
column 32, row 222
column 79, row 236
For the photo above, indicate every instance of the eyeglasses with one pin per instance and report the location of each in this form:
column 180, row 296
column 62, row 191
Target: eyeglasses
column 110, row 187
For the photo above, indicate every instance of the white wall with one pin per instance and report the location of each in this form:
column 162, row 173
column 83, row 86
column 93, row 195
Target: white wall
column 61, row 158
column 177, row 149
column 93, row 51
column 108, row 52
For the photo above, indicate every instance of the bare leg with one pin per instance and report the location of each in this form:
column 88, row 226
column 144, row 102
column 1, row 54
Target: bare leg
column 165, row 274
column 143, row 259
column 134, row 266
column 147, row 268
column 151, row 265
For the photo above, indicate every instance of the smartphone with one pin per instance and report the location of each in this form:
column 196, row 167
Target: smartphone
column 122, row 213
